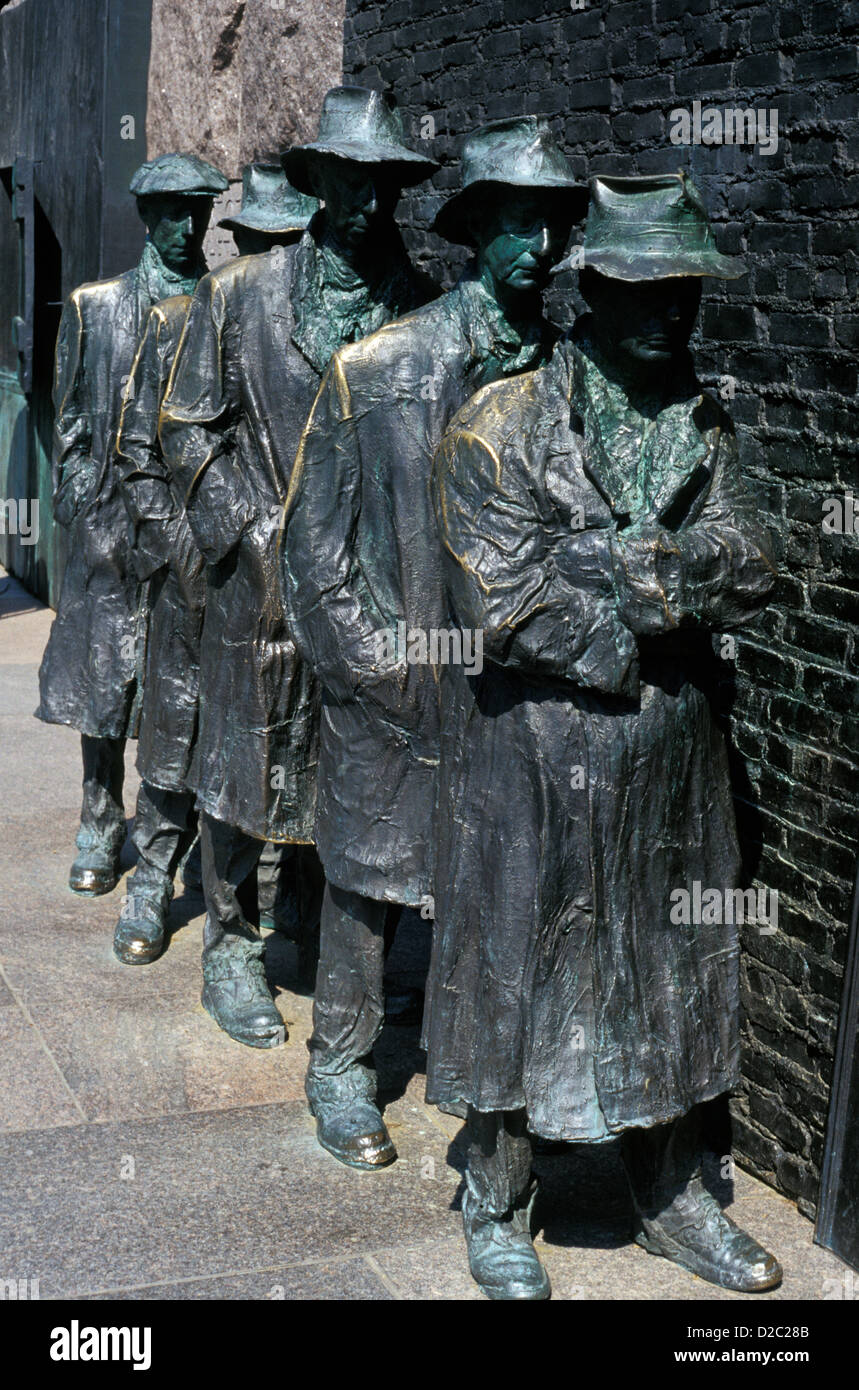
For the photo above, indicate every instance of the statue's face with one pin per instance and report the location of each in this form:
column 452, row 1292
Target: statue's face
column 359, row 198
column 177, row 224
column 643, row 321
column 250, row 241
column 519, row 236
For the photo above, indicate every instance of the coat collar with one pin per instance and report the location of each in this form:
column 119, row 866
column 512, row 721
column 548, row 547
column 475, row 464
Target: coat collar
column 332, row 304
column 494, row 342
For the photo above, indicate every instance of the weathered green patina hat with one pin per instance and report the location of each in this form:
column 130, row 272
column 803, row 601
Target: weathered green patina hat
column 519, row 152
column 648, row 228
column 178, row 173
column 270, row 203
column 362, row 125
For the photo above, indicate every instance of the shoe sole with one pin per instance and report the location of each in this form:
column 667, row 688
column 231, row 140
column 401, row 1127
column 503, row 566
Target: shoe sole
column 496, row 1295
column 710, row 1276
column 350, row 1162
column 93, row 892
column 137, row 957
column 264, row 1040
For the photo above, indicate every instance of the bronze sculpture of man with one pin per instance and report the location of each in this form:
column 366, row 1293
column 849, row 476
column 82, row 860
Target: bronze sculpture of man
column 362, row 567
column 273, row 213
column 259, row 335
column 92, row 668
column 596, row 528
column 165, row 554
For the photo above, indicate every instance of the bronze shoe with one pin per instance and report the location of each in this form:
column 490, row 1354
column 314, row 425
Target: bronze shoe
column 237, row 996
column 501, row 1252
column 95, row 871
column 694, row 1232
column 139, row 935
column 349, row 1124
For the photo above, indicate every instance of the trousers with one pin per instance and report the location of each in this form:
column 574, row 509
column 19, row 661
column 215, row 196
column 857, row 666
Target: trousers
column 165, row 826
column 102, row 810
column 356, row 935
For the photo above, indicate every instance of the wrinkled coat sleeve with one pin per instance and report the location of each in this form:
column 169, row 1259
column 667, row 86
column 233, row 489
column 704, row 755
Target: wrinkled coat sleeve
column 716, row 572
column 198, row 426
column 519, row 582
column 333, row 617
column 161, row 532
column 73, row 469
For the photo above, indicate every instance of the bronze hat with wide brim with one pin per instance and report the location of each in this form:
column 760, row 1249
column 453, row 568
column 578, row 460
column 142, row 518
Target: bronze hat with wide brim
column 362, row 126
column 650, row 227
column 178, row 173
column 517, row 153
column 270, row 203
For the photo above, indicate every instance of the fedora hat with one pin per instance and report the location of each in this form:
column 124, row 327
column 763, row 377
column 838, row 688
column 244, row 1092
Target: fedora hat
column 648, row 228
column 361, row 125
column 178, row 173
column 519, row 152
column 270, row 203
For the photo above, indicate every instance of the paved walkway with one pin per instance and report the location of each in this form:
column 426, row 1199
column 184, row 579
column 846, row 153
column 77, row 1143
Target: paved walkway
column 144, row 1155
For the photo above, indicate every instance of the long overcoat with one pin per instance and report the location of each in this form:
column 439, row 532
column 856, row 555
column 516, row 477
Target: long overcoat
column 361, row 556
column 241, row 390
column 91, row 673
column 583, row 776
column 165, row 554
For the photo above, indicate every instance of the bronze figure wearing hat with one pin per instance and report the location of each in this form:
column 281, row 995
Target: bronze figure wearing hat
column 597, row 530
column 93, row 665
column 273, row 213
column 166, row 557
column 260, row 334
column 362, row 569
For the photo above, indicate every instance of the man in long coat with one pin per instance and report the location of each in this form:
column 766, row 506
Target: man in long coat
column 273, row 213
column 362, row 564
column 597, row 530
column 260, row 333
column 92, row 668
column 166, row 554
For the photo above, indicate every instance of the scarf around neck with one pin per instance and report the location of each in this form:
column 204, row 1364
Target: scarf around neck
column 157, row 281
column 499, row 347
column 640, row 444
column 334, row 304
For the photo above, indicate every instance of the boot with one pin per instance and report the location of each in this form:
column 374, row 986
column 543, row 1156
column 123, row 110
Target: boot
column 139, row 935
column 676, row 1217
column 96, row 869
column 501, row 1253
column 349, row 1124
column 236, row 993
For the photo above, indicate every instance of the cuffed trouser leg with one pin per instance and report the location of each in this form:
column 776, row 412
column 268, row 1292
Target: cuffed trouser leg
column 229, row 858
column 235, row 990
column 349, row 1008
column 498, row 1159
column 165, row 826
column 102, row 810
column 497, row 1205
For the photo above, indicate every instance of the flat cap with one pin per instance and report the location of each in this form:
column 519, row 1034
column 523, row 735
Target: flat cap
column 178, row 173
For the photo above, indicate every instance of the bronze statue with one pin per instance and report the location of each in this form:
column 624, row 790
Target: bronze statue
column 166, row 555
column 273, row 213
column 597, row 531
column 362, row 568
column 259, row 335
column 92, row 669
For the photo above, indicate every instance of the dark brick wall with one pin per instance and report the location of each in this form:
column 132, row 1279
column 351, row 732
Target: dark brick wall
column 607, row 76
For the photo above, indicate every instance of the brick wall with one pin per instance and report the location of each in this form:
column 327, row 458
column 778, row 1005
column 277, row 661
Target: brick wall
column 607, row 76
